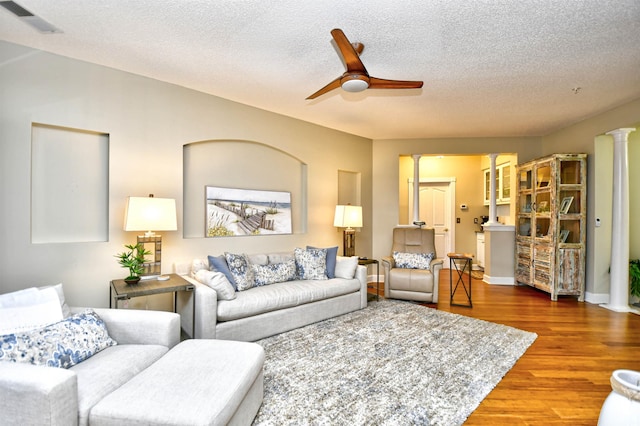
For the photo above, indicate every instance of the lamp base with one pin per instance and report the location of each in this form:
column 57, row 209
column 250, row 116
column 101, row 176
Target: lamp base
column 153, row 267
column 349, row 242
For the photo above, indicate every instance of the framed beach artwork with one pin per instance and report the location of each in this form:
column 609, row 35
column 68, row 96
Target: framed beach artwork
column 233, row 211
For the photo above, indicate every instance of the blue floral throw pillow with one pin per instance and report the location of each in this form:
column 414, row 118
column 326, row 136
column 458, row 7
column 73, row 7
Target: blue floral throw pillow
column 62, row 344
column 241, row 270
column 311, row 263
column 413, row 260
column 274, row 273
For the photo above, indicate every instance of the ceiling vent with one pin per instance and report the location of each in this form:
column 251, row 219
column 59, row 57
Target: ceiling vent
column 29, row 18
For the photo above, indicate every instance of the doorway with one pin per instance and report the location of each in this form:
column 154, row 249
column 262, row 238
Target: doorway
column 437, row 197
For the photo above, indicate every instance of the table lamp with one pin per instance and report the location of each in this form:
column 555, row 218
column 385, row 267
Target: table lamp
column 348, row 217
column 151, row 214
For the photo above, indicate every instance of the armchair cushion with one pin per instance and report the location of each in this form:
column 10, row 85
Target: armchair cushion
column 62, row 344
column 413, row 260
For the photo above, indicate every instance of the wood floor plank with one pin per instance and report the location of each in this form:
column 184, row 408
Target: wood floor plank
column 563, row 378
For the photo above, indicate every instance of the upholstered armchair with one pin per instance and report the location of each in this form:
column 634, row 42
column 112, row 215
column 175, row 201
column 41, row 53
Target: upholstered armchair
column 412, row 271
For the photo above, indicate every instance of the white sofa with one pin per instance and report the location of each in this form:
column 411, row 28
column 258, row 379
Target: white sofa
column 145, row 377
column 267, row 310
column 39, row 395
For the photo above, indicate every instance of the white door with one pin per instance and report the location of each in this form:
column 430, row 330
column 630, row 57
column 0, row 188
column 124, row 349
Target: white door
column 436, row 211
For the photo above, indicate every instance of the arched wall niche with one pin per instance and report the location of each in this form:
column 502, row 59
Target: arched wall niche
column 239, row 164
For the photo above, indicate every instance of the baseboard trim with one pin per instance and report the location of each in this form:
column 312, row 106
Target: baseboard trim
column 498, row 280
column 596, row 298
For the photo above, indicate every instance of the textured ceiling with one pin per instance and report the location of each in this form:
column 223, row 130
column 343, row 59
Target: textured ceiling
column 490, row 67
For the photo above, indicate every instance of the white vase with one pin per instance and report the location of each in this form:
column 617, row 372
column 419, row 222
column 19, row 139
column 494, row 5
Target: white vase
column 622, row 406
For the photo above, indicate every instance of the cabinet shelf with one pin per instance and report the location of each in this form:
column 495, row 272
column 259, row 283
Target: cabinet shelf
column 551, row 231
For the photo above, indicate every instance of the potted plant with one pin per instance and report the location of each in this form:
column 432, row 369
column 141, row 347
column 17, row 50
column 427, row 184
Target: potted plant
column 634, row 278
column 134, row 260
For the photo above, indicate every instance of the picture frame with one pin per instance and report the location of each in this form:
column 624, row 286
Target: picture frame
column 543, row 206
column 543, row 184
column 235, row 212
column 566, row 205
column 564, row 234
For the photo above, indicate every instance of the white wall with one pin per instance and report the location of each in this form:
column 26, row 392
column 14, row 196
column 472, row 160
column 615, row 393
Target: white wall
column 148, row 123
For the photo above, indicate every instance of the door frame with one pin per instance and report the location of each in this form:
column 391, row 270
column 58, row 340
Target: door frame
column 451, row 181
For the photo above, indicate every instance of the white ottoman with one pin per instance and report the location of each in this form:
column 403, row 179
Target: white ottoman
column 198, row 382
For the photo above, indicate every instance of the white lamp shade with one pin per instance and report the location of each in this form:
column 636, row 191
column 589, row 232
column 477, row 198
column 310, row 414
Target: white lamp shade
column 348, row 217
column 150, row 214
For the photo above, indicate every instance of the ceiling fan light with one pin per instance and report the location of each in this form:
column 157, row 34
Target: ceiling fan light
column 355, row 85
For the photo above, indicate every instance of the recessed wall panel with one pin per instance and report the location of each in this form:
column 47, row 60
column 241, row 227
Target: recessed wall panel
column 69, row 185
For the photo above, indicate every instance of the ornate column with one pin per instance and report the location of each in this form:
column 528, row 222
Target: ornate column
column 492, row 191
column 416, row 187
column 619, row 286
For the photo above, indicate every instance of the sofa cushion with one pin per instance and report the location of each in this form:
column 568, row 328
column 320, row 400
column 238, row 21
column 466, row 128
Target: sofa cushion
column 199, row 382
column 107, row 371
column 62, row 344
column 413, row 260
column 258, row 259
column 29, row 309
column 217, row 281
column 281, row 257
column 241, row 270
column 219, row 263
column 274, row 272
column 311, row 263
column 332, row 253
column 346, row 267
column 277, row 296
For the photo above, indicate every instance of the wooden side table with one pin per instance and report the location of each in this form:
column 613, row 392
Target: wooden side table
column 367, row 262
column 461, row 263
column 120, row 290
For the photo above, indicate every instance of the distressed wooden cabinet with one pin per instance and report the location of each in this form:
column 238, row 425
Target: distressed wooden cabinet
column 551, row 224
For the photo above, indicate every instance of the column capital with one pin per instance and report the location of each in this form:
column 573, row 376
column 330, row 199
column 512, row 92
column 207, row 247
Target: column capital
column 493, row 155
column 622, row 132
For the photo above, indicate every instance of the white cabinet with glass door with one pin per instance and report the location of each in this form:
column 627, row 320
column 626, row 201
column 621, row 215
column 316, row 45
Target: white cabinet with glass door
column 503, row 184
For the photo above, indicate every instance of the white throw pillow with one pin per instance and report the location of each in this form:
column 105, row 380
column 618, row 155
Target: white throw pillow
column 217, row 281
column 66, row 312
column 199, row 264
column 28, row 309
column 346, row 266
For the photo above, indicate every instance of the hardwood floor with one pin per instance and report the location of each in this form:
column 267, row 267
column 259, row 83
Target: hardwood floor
column 563, row 378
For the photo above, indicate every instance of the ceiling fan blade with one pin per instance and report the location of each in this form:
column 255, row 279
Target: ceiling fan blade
column 333, row 85
column 380, row 83
column 351, row 57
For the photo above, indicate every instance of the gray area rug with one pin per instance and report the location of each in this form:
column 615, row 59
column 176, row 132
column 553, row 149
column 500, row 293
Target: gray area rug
column 393, row 363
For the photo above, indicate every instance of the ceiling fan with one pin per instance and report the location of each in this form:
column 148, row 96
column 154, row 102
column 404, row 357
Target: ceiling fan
column 356, row 78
